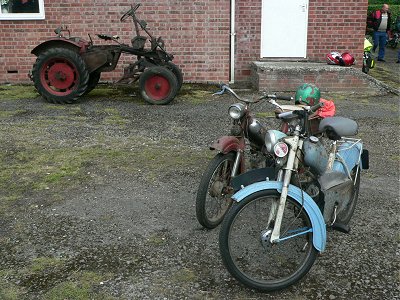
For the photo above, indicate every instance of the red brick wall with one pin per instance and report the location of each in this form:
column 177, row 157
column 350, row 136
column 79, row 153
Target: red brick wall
column 333, row 25
column 336, row 25
column 197, row 32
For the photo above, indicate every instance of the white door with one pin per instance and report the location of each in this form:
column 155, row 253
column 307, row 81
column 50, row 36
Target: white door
column 284, row 28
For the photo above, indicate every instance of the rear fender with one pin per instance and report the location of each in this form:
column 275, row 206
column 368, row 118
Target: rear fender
column 313, row 211
column 226, row 144
column 76, row 44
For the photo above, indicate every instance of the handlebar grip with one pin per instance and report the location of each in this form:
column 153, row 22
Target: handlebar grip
column 288, row 114
column 316, row 107
column 281, row 97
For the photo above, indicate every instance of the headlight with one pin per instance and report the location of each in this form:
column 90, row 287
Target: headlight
column 236, row 111
column 272, row 137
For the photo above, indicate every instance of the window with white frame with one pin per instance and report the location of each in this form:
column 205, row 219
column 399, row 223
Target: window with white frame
column 21, row 9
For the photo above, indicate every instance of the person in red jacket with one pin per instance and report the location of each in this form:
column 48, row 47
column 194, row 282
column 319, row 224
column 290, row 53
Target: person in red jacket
column 380, row 21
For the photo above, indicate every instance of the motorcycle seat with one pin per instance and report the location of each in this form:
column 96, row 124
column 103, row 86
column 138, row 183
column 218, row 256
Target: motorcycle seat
column 337, row 127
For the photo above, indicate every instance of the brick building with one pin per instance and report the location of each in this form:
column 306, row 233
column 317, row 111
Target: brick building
column 199, row 33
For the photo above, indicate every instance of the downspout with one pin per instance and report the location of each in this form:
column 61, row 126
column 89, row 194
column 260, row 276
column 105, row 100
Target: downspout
column 232, row 34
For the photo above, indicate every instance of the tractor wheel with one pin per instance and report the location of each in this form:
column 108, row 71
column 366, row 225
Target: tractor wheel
column 92, row 82
column 177, row 72
column 158, row 85
column 60, row 75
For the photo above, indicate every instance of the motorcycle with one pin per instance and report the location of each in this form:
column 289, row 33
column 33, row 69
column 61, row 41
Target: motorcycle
column 394, row 34
column 394, row 39
column 278, row 222
column 214, row 191
column 368, row 60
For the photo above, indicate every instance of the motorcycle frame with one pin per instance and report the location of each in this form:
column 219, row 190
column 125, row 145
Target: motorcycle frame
column 235, row 143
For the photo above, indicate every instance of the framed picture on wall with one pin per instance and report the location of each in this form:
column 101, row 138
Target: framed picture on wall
column 22, row 9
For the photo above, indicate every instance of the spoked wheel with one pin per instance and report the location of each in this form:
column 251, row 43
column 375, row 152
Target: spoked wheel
column 246, row 249
column 158, row 85
column 213, row 196
column 60, row 75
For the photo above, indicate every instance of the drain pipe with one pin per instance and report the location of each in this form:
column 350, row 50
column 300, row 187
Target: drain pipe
column 233, row 35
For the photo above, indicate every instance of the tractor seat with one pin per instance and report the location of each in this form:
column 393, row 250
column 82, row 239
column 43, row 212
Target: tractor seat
column 138, row 42
column 337, row 127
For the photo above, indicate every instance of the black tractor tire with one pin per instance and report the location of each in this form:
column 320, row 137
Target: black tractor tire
column 158, row 85
column 94, row 78
column 60, row 75
column 177, row 72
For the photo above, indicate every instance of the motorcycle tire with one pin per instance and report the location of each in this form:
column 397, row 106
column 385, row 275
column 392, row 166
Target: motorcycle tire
column 177, row 72
column 345, row 215
column 213, row 195
column 60, row 75
column 158, row 85
column 247, row 252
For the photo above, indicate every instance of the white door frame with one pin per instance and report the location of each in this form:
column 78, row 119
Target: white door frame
column 278, row 34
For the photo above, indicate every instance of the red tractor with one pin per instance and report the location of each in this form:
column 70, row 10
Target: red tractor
column 68, row 67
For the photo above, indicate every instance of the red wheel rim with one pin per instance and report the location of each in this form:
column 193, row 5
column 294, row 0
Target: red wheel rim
column 157, row 87
column 59, row 76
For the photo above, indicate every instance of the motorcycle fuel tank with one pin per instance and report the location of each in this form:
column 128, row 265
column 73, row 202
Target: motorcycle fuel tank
column 315, row 155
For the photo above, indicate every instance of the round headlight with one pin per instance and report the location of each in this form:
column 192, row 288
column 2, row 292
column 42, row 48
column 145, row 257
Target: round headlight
column 272, row 137
column 236, row 111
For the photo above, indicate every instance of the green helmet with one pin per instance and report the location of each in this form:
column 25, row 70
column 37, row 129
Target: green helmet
column 308, row 94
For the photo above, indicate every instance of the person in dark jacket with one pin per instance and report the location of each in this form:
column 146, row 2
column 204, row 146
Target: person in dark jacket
column 380, row 21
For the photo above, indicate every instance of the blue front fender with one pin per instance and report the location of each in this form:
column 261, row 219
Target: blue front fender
column 313, row 211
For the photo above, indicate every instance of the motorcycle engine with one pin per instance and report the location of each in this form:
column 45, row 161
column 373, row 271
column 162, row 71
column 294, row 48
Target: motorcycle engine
column 315, row 155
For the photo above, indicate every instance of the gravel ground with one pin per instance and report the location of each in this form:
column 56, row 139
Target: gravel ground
column 120, row 223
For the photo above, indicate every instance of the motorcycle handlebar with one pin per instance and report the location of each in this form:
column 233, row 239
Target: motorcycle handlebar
column 316, row 107
column 226, row 88
column 279, row 97
column 300, row 113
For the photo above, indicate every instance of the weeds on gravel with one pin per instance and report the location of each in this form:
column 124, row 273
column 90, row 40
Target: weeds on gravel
column 15, row 92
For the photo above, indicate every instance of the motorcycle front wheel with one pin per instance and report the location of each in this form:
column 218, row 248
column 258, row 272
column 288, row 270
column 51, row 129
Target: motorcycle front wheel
column 246, row 249
column 213, row 195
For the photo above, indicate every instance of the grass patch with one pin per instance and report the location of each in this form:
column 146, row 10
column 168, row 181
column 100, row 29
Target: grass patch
column 184, row 275
column 8, row 290
column 16, row 92
column 156, row 239
column 33, row 169
column 270, row 114
column 82, row 286
column 196, row 93
column 116, row 92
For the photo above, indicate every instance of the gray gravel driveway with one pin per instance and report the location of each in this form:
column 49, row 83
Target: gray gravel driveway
column 104, row 205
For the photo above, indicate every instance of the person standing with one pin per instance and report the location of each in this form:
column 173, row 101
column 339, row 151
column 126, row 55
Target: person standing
column 380, row 21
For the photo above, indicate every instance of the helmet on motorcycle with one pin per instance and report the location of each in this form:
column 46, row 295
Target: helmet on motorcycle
column 333, row 58
column 308, row 94
column 347, row 58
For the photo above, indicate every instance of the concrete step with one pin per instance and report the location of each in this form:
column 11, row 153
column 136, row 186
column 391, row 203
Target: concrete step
column 286, row 76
